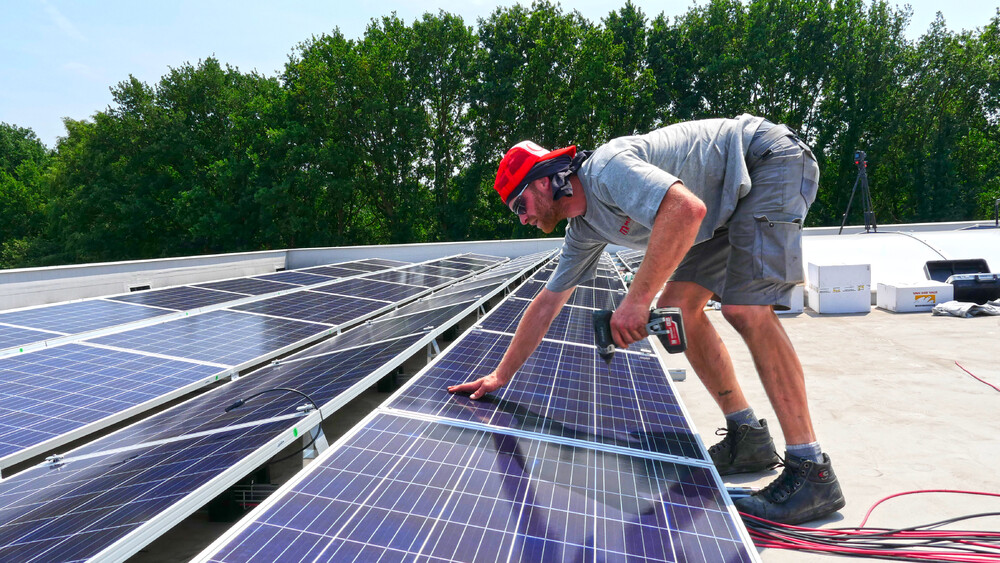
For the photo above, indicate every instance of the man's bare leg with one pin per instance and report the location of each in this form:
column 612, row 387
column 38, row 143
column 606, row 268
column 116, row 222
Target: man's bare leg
column 706, row 352
column 778, row 367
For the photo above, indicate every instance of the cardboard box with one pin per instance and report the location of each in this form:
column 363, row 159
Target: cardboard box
column 911, row 297
column 840, row 288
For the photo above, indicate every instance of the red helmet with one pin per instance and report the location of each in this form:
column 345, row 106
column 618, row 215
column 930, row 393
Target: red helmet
column 518, row 162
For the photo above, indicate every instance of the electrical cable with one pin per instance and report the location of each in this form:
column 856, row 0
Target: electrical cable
column 924, row 542
column 976, row 377
column 239, row 403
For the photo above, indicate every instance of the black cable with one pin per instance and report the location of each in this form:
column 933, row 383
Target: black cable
column 239, row 403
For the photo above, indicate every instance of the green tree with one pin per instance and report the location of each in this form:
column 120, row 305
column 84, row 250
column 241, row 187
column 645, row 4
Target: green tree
column 24, row 162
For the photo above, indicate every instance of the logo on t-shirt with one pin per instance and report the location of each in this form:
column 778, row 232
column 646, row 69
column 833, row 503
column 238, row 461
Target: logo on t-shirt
column 626, row 226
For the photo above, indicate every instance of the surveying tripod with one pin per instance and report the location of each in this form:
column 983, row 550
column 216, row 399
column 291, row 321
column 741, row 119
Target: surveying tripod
column 860, row 159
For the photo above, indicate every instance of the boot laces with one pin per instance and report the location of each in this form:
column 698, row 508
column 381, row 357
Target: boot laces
column 728, row 442
column 787, row 482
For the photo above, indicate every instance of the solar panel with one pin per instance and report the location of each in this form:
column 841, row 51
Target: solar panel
column 73, row 511
column 572, row 324
column 223, row 337
column 247, row 286
column 472, row 284
column 54, row 391
column 396, row 276
column 458, row 265
column 436, row 271
column 402, row 489
column 563, row 390
column 332, row 271
column 180, row 298
column 384, row 262
column 324, row 378
column 12, row 336
column 407, row 322
column 296, row 278
column 81, row 316
column 315, row 307
column 362, row 266
column 372, row 289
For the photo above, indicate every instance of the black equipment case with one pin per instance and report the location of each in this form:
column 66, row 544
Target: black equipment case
column 976, row 288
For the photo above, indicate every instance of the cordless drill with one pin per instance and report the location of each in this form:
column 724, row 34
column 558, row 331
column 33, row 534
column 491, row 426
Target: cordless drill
column 665, row 322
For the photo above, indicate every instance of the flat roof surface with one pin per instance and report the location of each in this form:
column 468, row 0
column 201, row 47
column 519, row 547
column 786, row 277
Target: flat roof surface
column 890, row 407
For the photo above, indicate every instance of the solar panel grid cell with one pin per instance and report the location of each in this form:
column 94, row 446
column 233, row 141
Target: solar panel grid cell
column 563, row 390
column 436, row 271
column 372, row 289
column 223, row 337
column 295, row 277
column 179, row 298
column 322, row 378
column 82, row 316
column 396, row 276
column 416, row 490
column 12, row 336
column 314, row 306
column 72, row 512
column 458, row 265
column 53, row 391
column 334, row 271
column 247, row 286
column 384, row 262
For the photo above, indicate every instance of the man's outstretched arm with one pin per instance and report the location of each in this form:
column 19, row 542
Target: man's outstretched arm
column 533, row 326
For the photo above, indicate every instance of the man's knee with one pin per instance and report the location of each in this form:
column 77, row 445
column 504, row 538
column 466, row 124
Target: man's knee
column 689, row 297
column 747, row 317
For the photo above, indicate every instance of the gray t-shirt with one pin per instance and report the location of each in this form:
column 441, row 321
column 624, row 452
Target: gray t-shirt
column 626, row 179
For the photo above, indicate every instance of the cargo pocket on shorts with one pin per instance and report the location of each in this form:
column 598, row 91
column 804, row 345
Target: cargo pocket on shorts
column 777, row 247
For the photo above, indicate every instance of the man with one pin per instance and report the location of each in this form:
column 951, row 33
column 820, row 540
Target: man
column 718, row 205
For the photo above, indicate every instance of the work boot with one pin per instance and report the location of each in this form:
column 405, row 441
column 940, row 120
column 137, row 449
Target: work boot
column 804, row 491
column 744, row 449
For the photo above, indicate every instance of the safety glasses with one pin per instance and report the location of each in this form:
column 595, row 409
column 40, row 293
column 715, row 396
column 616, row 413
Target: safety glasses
column 518, row 206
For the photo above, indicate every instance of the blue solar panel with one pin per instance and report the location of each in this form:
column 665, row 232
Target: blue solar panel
column 458, row 265
column 72, row 512
column 297, row 278
column 383, row 262
column 405, row 490
column 56, row 390
column 363, row 266
column 323, row 378
column 564, row 390
column 314, row 306
column 333, row 271
column 179, row 298
column 224, row 337
column 81, row 316
column 397, row 276
column 436, row 271
column 372, row 289
column 248, row 286
column 572, row 324
column 13, row 337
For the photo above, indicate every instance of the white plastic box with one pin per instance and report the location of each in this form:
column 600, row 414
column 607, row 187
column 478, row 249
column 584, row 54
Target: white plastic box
column 840, row 288
column 911, row 297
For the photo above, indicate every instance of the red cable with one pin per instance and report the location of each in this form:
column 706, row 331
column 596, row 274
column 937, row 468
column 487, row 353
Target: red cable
column 978, row 378
column 776, row 540
column 867, row 514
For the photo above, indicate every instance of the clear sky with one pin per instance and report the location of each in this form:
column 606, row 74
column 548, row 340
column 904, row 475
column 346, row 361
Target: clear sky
column 58, row 58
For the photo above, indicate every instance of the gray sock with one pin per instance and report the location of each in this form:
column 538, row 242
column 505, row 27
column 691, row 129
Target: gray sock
column 810, row 451
column 745, row 416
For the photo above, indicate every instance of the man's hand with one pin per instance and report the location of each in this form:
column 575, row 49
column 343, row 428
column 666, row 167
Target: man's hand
column 476, row 389
column 628, row 323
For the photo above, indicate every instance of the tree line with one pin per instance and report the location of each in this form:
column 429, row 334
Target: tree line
column 395, row 137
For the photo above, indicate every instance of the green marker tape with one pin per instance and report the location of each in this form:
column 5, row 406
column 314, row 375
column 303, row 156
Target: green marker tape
column 295, row 432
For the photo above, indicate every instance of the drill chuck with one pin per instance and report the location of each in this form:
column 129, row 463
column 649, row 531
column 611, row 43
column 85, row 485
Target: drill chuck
column 602, row 335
